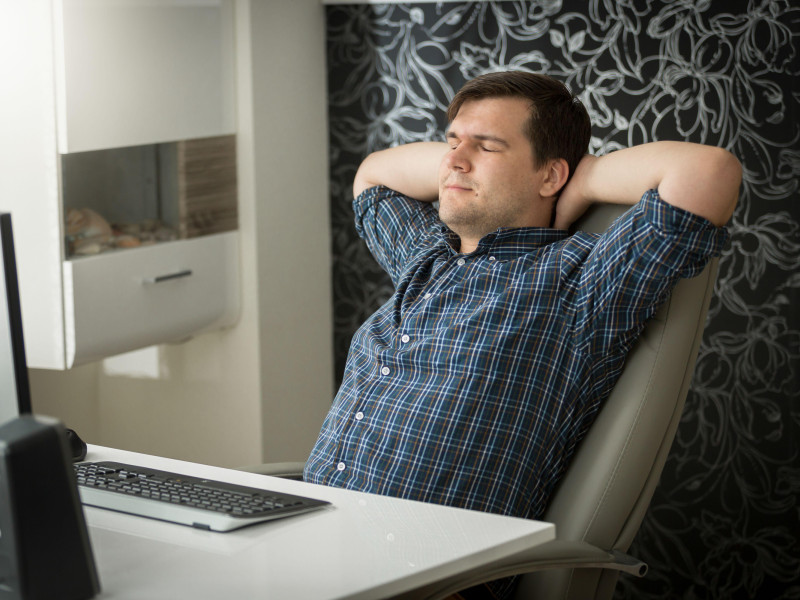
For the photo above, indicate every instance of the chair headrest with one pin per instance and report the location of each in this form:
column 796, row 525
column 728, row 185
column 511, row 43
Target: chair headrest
column 599, row 217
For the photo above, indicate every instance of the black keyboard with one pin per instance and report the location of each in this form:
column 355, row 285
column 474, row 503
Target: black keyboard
column 201, row 503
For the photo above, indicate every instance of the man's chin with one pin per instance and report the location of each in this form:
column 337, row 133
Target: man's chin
column 454, row 221
column 447, row 216
column 451, row 208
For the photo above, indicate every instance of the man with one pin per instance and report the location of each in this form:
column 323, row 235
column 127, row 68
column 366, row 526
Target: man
column 473, row 384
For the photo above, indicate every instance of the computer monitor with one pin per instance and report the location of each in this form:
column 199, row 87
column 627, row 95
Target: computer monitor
column 15, row 396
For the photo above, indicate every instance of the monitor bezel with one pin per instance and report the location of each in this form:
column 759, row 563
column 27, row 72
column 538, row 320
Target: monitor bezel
column 15, row 315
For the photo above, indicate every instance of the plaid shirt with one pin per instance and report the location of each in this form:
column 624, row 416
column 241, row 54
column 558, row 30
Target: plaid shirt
column 473, row 384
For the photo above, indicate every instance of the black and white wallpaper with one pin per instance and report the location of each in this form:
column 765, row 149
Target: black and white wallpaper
column 725, row 521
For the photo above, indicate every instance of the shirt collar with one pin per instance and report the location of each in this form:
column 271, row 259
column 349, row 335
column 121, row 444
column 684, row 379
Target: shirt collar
column 507, row 243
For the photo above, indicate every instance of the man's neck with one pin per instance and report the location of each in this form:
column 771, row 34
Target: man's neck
column 468, row 246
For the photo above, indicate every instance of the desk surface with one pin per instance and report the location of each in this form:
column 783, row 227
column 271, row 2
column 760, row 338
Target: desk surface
column 362, row 546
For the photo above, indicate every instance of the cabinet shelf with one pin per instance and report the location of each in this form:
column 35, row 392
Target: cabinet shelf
column 128, row 197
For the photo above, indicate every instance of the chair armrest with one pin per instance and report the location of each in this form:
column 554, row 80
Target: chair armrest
column 556, row 554
column 577, row 554
column 286, row 470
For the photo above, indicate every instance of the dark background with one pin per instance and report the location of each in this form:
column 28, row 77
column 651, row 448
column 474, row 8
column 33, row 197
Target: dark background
column 724, row 522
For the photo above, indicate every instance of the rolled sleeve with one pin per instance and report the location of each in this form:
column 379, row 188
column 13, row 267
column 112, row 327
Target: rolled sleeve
column 393, row 226
column 695, row 238
column 634, row 266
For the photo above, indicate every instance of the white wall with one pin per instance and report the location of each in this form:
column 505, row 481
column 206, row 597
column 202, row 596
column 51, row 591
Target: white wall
column 259, row 391
column 289, row 96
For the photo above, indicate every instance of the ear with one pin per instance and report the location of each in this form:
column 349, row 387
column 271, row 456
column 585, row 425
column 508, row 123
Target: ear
column 555, row 176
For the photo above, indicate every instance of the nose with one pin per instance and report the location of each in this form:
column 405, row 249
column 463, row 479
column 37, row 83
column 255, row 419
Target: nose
column 457, row 159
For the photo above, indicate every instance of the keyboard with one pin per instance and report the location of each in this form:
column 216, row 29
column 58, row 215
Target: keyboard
column 201, row 503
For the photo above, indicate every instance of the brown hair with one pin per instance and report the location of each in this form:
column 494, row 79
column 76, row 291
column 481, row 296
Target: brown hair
column 558, row 126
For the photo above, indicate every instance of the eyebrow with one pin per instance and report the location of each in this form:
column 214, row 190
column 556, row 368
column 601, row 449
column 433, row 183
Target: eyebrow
column 480, row 137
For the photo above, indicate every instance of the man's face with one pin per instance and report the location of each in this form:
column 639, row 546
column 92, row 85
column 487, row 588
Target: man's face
column 488, row 178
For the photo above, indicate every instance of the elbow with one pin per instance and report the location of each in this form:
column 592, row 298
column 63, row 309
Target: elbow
column 369, row 173
column 361, row 180
column 705, row 181
column 729, row 171
column 716, row 175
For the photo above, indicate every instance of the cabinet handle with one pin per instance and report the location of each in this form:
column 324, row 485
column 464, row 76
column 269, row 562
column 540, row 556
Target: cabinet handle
column 167, row 277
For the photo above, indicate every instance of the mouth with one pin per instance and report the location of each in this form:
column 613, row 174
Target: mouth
column 457, row 187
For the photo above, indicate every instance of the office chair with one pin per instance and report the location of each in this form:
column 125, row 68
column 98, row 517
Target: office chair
column 604, row 494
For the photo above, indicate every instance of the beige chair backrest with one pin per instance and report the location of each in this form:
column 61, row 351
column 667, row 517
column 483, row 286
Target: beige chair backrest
column 610, row 481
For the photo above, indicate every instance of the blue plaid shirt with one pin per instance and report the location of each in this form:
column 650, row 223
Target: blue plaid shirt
column 473, row 384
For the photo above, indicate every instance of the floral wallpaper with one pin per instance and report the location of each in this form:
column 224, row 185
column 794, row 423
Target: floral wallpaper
column 725, row 521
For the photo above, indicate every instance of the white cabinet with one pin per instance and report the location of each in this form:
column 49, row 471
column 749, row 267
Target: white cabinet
column 79, row 75
column 133, row 72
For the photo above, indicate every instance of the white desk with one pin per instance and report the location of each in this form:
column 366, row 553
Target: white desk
column 363, row 546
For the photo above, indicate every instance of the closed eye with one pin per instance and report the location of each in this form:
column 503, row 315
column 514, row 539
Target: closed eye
column 486, row 143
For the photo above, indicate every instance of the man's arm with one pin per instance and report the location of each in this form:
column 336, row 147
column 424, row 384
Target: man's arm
column 703, row 180
column 412, row 170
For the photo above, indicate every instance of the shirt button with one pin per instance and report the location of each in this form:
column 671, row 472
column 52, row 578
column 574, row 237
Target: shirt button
column 406, row 338
column 492, row 258
column 427, row 295
column 385, row 371
column 461, row 262
column 359, row 415
column 340, row 466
